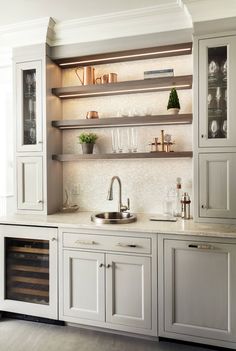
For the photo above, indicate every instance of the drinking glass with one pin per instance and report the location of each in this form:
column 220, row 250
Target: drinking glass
column 114, row 140
column 120, row 139
column 214, row 128
column 29, row 82
column 224, row 128
column 132, row 139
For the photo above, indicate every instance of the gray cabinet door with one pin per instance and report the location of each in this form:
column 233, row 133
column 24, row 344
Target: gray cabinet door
column 128, row 291
column 217, row 191
column 200, row 289
column 30, row 183
column 83, row 287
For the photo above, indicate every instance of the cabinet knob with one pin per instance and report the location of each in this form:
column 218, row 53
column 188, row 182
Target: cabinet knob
column 108, row 266
column 54, row 239
column 101, row 265
column 40, row 201
column 40, row 142
column 203, row 136
column 203, row 207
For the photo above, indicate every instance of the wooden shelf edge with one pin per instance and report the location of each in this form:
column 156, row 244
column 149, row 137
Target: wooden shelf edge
column 111, row 122
column 126, row 87
column 126, row 55
column 80, row 157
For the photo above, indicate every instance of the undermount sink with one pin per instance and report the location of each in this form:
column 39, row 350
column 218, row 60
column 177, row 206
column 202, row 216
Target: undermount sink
column 113, row 218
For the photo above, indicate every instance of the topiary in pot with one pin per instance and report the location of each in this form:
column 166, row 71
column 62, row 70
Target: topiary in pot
column 87, row 141
column 173, row 106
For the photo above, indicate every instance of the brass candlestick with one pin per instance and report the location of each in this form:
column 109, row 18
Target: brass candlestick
column 165, row 143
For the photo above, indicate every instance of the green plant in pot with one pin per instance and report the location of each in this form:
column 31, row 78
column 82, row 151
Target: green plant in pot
column 173, row 106
column 87, row 141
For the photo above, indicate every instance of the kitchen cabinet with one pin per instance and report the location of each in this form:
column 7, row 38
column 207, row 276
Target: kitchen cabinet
column 38, row 180
column 29, row 280
column 30, row 183
column 217, row 192
column 29, row 119
column 217, row 90
column 214, row 128
column 107, row 281
column 198, row 290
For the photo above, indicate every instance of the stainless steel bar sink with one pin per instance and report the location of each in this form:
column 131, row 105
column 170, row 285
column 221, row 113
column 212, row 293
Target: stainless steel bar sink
column 113, row 218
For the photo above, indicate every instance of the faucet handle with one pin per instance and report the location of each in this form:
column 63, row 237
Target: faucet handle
column 124, row 207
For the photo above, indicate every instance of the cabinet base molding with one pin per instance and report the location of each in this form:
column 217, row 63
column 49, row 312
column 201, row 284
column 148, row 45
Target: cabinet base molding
column 198, row 341
column 108, row 327
column 112, row 331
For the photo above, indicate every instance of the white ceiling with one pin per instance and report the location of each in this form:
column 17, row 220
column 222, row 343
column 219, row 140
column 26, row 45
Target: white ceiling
column 14, row 11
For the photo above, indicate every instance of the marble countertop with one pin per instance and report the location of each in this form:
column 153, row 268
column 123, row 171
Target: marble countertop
column 143, row 225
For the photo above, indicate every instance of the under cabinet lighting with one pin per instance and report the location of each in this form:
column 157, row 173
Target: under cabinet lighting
column 164, row 52
column 125, row 91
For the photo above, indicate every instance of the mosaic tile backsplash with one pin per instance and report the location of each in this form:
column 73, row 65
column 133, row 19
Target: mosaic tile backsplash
column 144, row 181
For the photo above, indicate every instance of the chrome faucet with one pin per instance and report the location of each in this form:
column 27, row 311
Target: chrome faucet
column 121, row 208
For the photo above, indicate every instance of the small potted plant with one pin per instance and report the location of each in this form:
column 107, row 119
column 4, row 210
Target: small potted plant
column 173, row 106
column 87, row 141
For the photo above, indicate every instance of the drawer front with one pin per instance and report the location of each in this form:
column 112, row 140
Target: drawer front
column 106, row 242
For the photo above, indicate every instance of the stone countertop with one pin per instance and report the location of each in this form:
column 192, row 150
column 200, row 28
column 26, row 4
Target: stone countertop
column 81, row 220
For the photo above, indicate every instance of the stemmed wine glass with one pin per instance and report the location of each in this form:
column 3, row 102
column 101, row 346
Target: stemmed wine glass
column 29, row 82
column 224, row 128
column 214, row 128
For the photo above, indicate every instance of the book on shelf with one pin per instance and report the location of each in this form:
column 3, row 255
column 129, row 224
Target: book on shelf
column 159, row 73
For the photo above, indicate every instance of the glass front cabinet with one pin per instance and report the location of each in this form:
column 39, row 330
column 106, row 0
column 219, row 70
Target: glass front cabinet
column 29, row 268
column 29, row 106
column 217, row 92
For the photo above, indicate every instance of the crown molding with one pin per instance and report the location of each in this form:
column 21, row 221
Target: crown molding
column 5, row 56
column 209, row 10
column 160, row 18
column 27, row 33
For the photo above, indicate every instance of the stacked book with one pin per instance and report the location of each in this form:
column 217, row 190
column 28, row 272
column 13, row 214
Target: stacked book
column 159, row 73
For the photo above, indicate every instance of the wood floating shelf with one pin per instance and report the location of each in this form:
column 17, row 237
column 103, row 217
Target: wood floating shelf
column 81, row 157
column 127, row 55
column 123, row 121
column 126, row 87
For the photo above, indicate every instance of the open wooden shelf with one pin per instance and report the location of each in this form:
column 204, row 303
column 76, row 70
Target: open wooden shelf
column 126, row 87
column 126, row 55
column 80, row 157
column 111, row 122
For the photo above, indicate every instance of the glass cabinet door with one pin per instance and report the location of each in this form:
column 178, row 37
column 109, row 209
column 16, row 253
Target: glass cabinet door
column 217, row 108
column 28, row 106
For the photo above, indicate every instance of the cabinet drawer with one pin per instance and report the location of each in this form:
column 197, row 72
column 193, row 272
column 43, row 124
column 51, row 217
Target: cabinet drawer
column 106, row 242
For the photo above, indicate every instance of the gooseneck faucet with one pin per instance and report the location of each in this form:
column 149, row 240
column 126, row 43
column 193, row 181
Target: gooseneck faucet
column 121, row 208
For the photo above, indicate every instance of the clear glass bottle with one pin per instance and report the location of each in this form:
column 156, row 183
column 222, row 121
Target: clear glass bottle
column 177, row 211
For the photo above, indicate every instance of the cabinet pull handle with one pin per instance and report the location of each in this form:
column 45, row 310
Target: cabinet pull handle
column 127, row 245
column 85, row 242
column 40, row 142
column 201, row 246
column 101, row 265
